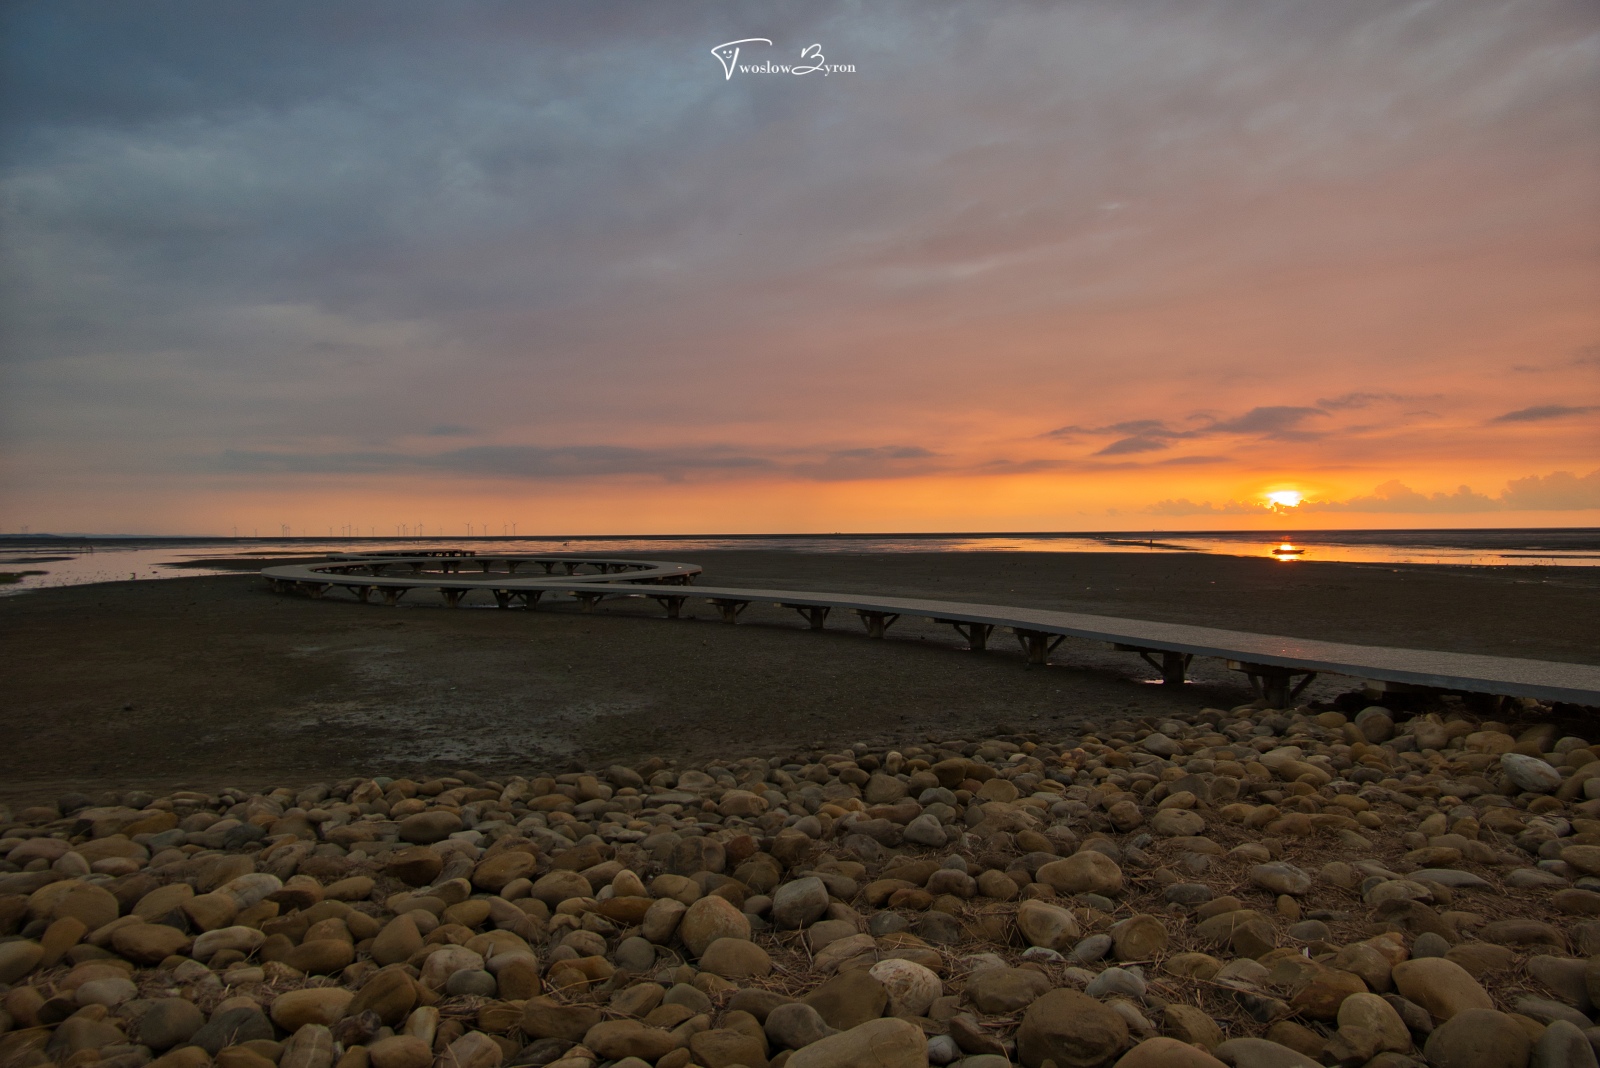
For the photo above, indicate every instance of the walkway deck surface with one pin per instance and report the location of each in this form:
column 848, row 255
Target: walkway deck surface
column 1271, row 659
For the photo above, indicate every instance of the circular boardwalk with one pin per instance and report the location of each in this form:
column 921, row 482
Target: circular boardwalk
column 1279, row 667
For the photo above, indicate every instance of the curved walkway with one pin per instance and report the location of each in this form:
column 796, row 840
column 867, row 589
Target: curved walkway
column 1279, row 667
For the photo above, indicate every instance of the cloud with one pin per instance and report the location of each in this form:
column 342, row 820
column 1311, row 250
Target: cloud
column 1395, row 496
column 272, row 228
column 1268, row 423
column 1540, row 412
column 1184, row 506
column 1280, row 422
column 1558, row 492
column 1356, row 400
column 534, row 462
column 1123, row 446
column 507, row 461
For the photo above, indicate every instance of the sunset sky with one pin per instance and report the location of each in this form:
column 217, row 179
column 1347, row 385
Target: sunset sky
column 1099, row 264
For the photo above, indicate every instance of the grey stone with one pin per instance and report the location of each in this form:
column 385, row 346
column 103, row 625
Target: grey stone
column 1093, row 948
column 1430, row 944
column 1188, row 893
column 1260, row 1053
column 926, row 830
column 1530, row 773
column 795, row 1025
column 1563, row 1045
column 799, row 902
column 168, row 1022
column 1281, row 877
column 635, row 954
column 1116, row 981
column 883, row 923
column 939, row 927
column 231, row 1028
column 470, row 982
column 1547, row 1011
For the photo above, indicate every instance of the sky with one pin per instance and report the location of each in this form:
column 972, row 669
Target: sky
column 1089, row 265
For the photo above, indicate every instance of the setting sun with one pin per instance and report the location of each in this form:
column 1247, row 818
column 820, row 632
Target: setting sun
column 1285, row 498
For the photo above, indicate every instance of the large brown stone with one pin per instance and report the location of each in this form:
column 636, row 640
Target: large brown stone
column 400, row 1051
column 1071, row 1029
column 1050, row 926
column 1323, row 992
column 616, row 1039
column 148, row 943
column 728, row 1048
column 497, row 872
column 415, row 866
column 397, row 942
column 390, row 994
column 709, row 919
column 324, row 1005
column 736, row 958
column 544, row 1017
column 1138, row 938
column 1085, row 872
column 425, row 828
column 998, row 991
column 94, row 905
column 883, row 1043
column 848, row 1000
column 18, row 958
column 321, row 956
column 472, row 1050
column 1167, row 1053
column 1441, row 986
column 1479, row 1038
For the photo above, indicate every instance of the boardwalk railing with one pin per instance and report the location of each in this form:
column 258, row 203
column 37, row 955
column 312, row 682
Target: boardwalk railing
column 1279, row 667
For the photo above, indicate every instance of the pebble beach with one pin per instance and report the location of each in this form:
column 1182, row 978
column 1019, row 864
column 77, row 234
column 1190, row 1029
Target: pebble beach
column 1250, row 887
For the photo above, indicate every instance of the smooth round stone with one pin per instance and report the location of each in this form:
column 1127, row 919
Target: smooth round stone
column 1167, row 1053
column 1563, row 1045
column 1281, row 877
column 880, row 924
column 168, row 1022
column 635, row 954
column 1188, row 893
column 1093, row 948
column 1085, row 872
column 1139, row 938
column 1530, row 773
column 912, row 988
column 1309, row 931
column 939, row 927
column 736, row 958
column 1441, row 986
column 107, row 992
column 1049, row 926
column 1116, row 981
column 942, row 1049
column 885, row 1041
column 471, row 982
column 799, row 902
column 1529, row 878
column 1478, row 1038
column 795, row 1025
column 1430, row 944
column 1261, row 1053
column 425, row 828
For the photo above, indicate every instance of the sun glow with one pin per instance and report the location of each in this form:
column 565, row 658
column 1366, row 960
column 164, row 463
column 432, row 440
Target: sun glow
column 1285, row 498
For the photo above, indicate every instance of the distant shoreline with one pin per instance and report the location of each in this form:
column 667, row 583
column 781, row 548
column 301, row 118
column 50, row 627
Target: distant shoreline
column 1565, row 538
